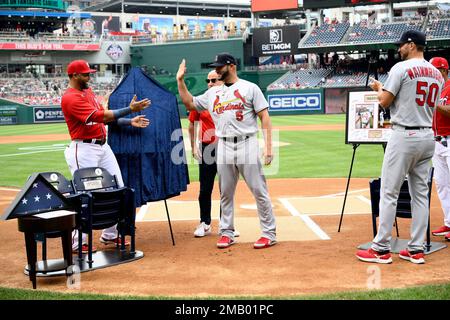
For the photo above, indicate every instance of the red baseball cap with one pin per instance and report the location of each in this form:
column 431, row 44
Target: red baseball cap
column 439, row 63
column 79, row 66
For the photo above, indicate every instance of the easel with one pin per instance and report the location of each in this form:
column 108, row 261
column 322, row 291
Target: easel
column 355, row 146
column 370, row 68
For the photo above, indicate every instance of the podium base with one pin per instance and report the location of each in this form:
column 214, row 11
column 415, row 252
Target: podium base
column 399, row 244
column 101, row 259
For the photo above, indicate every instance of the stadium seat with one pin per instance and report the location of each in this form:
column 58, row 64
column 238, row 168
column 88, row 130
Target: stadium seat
column 403, row 204
column 103, row 204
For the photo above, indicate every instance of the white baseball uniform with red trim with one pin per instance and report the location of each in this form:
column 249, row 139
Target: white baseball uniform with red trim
column 84, row 117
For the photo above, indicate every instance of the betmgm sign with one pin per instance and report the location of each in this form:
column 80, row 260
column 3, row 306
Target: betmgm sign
column 276, row 40
column 296, row 102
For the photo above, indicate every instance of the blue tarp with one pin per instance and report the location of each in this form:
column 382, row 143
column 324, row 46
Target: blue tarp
column 153, row 159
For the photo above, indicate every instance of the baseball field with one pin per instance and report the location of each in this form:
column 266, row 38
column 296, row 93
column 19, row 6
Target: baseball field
column 311, row 260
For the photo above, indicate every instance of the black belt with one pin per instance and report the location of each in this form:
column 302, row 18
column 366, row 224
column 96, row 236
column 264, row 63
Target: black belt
column 416, row 128
column 96, row 141
column 236, row 139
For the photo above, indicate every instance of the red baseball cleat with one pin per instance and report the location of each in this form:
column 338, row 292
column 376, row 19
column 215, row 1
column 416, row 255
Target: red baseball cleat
column 371, row 255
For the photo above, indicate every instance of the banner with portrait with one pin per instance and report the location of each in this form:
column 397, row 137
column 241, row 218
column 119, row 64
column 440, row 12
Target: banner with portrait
column 366, row 120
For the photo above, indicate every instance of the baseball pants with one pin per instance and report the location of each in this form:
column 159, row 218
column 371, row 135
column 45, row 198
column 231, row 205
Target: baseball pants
column 83, row 155
column 408, row 152
column 441, row 163
column 241, row 156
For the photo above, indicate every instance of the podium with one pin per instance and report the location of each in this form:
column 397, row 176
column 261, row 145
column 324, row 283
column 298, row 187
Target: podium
column 58, row 224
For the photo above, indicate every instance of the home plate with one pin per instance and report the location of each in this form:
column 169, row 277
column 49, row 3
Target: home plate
column 288, row 229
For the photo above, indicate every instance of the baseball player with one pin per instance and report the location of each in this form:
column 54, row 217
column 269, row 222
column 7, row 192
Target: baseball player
column 441, row 158
column 411, row 91
column 234, row 107
column 86, row 118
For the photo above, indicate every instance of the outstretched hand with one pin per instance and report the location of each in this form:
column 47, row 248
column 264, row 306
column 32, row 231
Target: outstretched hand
column 181, row 70
column 140, row 121
column 139, row 105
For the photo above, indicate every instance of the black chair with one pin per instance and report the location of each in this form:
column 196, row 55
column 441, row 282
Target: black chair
column 403, row 204
column 103, row 204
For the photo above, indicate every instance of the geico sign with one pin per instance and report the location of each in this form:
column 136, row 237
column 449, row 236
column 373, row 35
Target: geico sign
column 295, row 101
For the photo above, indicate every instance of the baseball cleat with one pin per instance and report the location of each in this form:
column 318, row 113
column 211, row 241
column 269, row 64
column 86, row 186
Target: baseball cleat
column 225, row 242
column 442, row 231
column 447, row 236
column 84, row 249
column 115, row 241
column 264, row 242
column 418, row 257
column 371, row 255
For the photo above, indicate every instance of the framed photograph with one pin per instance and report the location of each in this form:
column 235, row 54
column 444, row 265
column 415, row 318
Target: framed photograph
column 366, row 121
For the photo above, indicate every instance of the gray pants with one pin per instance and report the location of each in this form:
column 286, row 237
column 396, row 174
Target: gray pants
column 408, row 153
column 241, row 157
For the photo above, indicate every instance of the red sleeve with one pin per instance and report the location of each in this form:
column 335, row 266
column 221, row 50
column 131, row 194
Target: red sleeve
column 78, row 107
column 194, row 116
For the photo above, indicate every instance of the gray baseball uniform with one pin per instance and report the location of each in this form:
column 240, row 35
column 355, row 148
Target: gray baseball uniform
column 416, row 85
column 234, row 111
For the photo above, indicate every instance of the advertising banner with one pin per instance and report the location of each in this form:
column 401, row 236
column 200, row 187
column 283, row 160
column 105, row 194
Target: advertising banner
column 271, row 5
column 295, row 102
column 8, row 115
column 47, row 114
column 276, row 40
column 49, row 46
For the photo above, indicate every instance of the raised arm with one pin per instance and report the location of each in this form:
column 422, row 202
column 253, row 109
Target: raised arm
column 185, row 95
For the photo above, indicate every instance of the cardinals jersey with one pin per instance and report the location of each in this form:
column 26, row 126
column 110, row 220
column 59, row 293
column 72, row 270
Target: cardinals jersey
column 233, row 108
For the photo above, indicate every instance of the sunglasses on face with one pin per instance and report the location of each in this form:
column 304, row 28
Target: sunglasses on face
column 211, row 80
column 85, row 74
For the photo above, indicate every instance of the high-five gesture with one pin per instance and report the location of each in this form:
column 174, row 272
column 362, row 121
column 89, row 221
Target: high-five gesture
column 139, row 105
column 181, row 70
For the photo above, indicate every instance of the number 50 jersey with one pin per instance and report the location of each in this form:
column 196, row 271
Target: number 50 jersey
column 417, row 86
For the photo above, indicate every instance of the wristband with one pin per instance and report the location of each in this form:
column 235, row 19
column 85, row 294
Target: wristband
column 119, row 113
column 124, row 122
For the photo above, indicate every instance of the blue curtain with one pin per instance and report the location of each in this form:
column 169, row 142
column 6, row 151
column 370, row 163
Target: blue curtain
column 153, row 159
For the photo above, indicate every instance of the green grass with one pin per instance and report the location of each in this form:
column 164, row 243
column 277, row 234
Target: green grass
column 429, row 292
column 30, row 129
column 309, row 153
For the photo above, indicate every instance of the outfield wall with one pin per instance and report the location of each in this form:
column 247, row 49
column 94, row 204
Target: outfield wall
column 16, row 113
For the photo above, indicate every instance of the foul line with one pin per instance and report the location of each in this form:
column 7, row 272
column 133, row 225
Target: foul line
column 9, row 189
column 142, row 211
column 309, row 222
column 21, row 154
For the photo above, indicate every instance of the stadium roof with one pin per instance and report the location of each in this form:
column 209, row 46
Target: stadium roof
column 215, row 8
